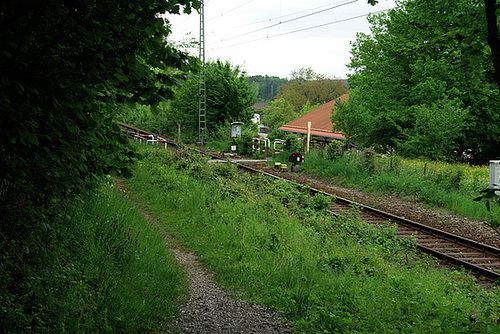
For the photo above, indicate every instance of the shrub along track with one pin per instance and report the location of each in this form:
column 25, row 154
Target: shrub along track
column 481, row 259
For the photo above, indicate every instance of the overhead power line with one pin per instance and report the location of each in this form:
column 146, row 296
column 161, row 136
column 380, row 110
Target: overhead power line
column 302, row 29
column 287, row 21
column 229, row 11
column 291, row 14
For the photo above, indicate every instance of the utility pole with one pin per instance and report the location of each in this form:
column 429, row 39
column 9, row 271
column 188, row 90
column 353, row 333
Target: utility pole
column 202, row 93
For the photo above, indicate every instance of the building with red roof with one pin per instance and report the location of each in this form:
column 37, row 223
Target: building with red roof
column 321, row 124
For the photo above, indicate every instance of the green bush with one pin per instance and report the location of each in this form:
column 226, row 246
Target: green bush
column 142, row 117
column 495, row 216
column 221, row 133
column 369, row 156
column 334, row 150
column 244, row 143
column 292, row 142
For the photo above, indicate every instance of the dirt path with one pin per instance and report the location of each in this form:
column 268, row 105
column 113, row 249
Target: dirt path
column 211, row 309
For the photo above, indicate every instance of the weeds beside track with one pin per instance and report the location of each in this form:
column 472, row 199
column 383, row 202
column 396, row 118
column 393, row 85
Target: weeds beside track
column 270, row 241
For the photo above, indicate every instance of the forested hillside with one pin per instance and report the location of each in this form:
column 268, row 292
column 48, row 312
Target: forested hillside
column 267, row 87
column 304, row 91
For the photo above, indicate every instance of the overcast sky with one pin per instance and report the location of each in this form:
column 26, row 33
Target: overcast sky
column 274, row 37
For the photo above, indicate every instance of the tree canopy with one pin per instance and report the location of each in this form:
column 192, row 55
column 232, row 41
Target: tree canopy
column 422, row 54
column 278, row 113
column 266, row 87
column 229, row 99
column 63, row 67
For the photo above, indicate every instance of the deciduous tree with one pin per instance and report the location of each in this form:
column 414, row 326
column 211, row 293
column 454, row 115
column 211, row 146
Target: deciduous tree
column 437, row 128
column 267, row 87
column 352, row 120
column 278, row 113
column 229, row 99
column 64, row 66
column 443, row 55
column 308, row 86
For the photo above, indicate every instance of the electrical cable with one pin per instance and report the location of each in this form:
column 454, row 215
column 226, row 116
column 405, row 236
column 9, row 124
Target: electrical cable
column 291, row 14
column 287, row 21
column 229, row 11
column 303, row 29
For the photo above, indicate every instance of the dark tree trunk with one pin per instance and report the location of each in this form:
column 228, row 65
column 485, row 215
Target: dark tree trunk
column 493, row 41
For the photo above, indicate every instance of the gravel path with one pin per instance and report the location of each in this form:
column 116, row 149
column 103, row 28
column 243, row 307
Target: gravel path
column 210, row 309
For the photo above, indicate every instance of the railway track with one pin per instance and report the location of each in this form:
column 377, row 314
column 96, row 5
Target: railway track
column 472, row 255
column 480, row 259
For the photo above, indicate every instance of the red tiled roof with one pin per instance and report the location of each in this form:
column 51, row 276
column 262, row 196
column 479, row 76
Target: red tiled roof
column 321, row 125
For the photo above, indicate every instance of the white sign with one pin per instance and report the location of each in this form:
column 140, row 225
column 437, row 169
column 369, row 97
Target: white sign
column 494, row 173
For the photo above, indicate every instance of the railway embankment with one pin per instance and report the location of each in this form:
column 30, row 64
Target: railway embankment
column 275, row 245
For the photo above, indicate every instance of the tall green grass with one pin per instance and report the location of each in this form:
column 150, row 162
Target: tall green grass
column 95, row 266
column 273, row 243
column 435, row 185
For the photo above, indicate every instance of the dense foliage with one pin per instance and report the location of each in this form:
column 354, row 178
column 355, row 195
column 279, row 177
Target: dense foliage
column 334, row 150
column 422, row 59
column 64, row 66
column 307, row 86
column 266, row 87
column 278, row 112
column 305, row 91
column 229, row 99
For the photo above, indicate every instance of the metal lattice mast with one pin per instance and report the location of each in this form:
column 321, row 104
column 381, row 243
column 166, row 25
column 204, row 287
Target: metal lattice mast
column 202, row 94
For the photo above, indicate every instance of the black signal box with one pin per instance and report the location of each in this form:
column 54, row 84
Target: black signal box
column 296, row 158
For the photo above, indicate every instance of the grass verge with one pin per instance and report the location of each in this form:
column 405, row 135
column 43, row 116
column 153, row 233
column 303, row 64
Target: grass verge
column 95, row 266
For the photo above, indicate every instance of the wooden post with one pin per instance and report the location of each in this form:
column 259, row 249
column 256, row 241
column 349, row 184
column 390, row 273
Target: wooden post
column 308, row 135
